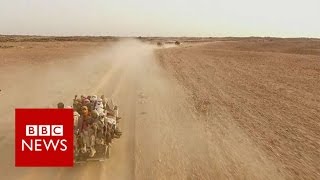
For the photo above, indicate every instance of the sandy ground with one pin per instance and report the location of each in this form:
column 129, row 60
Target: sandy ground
column 162, row 137
column 260, row 102
column 199, row 111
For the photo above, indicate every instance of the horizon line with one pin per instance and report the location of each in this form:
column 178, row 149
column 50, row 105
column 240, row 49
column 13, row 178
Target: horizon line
column 117, row 36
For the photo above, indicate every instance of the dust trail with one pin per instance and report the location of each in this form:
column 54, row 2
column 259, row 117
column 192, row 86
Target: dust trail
column 108, row 71
column 162, row 137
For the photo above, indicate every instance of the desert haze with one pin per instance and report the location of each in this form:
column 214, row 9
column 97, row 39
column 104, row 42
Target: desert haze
column 209, row 108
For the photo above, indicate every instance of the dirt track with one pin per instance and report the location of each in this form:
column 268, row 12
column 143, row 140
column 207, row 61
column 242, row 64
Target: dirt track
column 173, row 129
column 162, row 138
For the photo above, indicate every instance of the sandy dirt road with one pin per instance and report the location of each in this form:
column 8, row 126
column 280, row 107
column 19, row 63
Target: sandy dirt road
column 162, row 137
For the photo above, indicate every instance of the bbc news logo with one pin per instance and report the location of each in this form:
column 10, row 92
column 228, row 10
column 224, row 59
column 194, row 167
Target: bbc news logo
column 39, row 144
column 44, row 137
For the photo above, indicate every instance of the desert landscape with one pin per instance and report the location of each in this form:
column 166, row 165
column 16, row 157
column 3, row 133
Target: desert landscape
column 209, row 108
column 267, row 89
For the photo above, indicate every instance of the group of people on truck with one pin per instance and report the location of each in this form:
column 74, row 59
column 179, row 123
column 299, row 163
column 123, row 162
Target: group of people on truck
column 95, row 122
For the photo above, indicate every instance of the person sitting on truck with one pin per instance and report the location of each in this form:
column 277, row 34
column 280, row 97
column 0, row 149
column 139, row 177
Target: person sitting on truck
column 86, row 131
column 111, row 120
column 77, row 104
column 60, row 105
column 99, row 126
column 112, row 109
